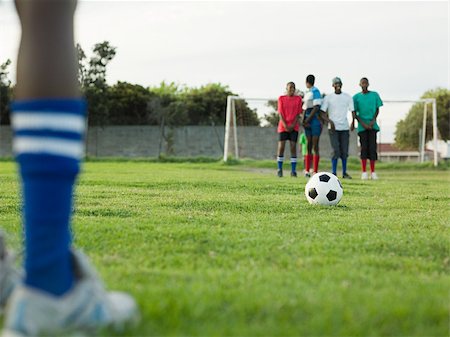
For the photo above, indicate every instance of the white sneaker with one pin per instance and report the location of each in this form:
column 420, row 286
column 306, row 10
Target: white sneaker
column 87, row 307
column 364, row 176
column 374, row 176
column 9, row 275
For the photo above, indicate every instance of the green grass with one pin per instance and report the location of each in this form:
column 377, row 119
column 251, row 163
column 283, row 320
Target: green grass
column 210, row 249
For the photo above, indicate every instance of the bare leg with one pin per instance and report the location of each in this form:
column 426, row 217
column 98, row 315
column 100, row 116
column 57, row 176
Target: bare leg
column 281, row 146
column 48, row 117
column 50, row 71
column 293, row 146
column 280, row 159
column 316, row 156
column 315, row 145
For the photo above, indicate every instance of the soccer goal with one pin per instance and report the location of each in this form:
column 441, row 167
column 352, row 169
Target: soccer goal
column 429, row 105
column 249, row 130
column 250, row 124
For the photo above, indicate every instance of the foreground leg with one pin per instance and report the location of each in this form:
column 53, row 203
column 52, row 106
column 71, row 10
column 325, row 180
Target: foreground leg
column 9, row 275
column 60, row 290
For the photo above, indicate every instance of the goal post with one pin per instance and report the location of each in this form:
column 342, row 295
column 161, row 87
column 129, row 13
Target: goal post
column 426, row 102
column 231, row 142
column 233, row 146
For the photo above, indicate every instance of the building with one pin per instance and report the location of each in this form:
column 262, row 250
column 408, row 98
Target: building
column 389, row 153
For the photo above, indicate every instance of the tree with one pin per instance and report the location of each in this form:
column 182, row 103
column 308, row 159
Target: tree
column 407, row 130
column 5, row 93
column 273, row 117
column 166, row 105
column 92, row 78
column 128, row 104
column 207, row 106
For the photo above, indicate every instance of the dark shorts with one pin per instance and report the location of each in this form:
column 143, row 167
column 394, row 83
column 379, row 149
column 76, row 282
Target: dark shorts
column 315, row 127
column 368, row 140
column 292, row 136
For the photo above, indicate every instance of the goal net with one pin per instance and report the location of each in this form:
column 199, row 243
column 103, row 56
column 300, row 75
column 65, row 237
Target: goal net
column 250, row 129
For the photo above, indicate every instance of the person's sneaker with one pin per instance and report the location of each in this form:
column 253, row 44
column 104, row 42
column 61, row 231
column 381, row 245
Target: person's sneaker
column 280, row 173
column 85, row 308
column 364, row 176
column 374, row 176
column 9, row 275
column 294, row 174
column 307, row 174
column 346, row 176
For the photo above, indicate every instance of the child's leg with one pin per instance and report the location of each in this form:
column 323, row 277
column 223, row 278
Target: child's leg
column 48, row 123
column 293, row 156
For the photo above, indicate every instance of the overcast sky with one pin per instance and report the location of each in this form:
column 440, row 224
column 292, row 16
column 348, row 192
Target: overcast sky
column 256, row 47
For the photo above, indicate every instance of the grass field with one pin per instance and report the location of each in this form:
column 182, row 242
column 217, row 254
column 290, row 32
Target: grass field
column 231, row 250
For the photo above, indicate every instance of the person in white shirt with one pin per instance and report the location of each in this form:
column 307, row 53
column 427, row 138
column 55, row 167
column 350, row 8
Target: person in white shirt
column 334, row 110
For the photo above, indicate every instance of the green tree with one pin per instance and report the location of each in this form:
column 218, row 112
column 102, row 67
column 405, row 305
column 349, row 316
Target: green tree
column 273, row 117
column 166, row 105
column 407, row 129
column 207, row 106
column 92, row 78
column 128, row 104
column 5, row 93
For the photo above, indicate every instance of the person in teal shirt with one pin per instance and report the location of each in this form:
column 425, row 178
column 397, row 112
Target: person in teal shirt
column 367, row 104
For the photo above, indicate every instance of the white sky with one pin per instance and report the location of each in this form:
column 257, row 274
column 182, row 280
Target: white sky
column 256, row 47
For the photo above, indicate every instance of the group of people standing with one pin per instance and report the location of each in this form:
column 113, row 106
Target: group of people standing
column 312, row 110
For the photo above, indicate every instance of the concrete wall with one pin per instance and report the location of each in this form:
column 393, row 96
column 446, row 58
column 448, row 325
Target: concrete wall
column 188, row 141
column 5, row 141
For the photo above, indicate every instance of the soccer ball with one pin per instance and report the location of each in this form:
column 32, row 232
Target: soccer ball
column 324, row 189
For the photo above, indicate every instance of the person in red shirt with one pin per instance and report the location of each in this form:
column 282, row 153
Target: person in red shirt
column 290, row 110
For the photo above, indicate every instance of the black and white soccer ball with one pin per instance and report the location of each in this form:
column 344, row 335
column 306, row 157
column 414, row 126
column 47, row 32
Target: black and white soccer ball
column 324, row 188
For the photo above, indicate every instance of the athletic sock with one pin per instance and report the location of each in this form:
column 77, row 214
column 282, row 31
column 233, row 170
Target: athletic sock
column 334, row 163
column 280, row 163
column 48, row 145
column 308, row 159
column 364, row 165
column 316, row 159
column 344, row 166
column 294, row 164
column 372, row 166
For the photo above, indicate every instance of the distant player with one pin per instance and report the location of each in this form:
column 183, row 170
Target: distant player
column 60, row 291
column 290, row 109
column 303, row 143
column 367, row 104
column 312, row 124
column 334, row 110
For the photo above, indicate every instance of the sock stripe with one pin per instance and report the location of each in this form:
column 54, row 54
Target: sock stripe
column 39, row 145
column 57, row 121
column 293, row 159
column 280, row 158
column 75, row 106
column 49, row 126
column 49, row 134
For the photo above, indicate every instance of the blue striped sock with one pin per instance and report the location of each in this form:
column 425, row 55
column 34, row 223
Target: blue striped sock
column 280, row 162
column 294, row 164
column 48, row 145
